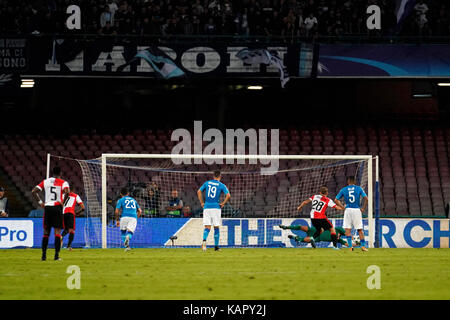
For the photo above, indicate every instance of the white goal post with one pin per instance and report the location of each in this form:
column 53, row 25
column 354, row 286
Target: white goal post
column 370, row 176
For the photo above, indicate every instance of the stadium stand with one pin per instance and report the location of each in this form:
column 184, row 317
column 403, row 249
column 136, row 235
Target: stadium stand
column 220, row 17
column 414, row 168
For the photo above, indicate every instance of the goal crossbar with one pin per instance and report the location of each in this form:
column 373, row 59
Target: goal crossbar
column 236, row 156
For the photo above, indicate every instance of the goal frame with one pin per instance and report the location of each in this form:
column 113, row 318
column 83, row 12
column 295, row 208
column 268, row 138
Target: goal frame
column 372, row 224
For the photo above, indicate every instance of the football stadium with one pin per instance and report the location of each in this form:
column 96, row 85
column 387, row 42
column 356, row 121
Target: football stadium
column 224, row 150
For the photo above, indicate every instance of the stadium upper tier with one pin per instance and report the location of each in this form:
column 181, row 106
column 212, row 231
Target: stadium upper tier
column 221, row 17
column 414, row 165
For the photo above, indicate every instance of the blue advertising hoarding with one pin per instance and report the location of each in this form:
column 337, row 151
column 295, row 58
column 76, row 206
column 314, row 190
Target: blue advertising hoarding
column 264, row 232
column 384, row 60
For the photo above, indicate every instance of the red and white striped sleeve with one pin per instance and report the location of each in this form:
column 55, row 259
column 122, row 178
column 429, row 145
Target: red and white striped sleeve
column 331, row 203
column 65, row 185
column 40, row 186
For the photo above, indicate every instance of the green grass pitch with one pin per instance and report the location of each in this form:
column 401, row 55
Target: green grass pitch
column 229, row 274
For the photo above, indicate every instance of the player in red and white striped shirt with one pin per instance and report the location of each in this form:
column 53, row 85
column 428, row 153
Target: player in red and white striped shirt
column 56, row 194
column 319, row 220
column 69, row 217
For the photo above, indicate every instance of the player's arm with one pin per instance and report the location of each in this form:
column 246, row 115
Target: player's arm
column 117, row 212
column 304, row 203
column 294, row 227
column 200, row 197
column 227, row 197
column 343, row 242
column 340, row 233
column 339, row 204
column 365, row 201
column 66, row 191
column 337, row 201
column 35, row 194
column 138, row 210
column 82, row 208
column 117, row 215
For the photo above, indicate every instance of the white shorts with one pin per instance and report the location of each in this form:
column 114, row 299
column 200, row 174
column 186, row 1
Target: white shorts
column 352, row 219
column 128, row 223
column 211, row 217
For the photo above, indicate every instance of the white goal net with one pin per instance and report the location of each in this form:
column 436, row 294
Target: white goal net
column 260, row 201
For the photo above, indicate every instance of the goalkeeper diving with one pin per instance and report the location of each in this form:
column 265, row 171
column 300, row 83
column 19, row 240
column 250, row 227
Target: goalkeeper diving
column 320, row 202
column 312, row 236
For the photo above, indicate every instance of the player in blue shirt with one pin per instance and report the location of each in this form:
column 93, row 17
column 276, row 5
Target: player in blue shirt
column 352, row 195
column 130, row 212
column 212, row 206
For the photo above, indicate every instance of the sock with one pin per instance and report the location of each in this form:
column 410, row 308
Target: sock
column 363, row 243
column 129, row 234
column 57, row 244
column 44, row 244
column 334, row 239
column 205, row 234
column 71, row 236
column 123, row 234
column 349, row 241
column 63, row 234
column 216, row 237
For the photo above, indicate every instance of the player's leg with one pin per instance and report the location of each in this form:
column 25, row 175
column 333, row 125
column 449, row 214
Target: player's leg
column 328, row 226
column 207, row 227
column 317, row 224
column 358, row 223
column 216, row 237
column 333, row 235
column 71, row 237
column 47, row 229
column 57, row 242
column 206, row 231
column 44, row 245
column 216, row 222
column 70, row 227
column 65, row 230
column 131, row 228
column 310, row 232
column 347, row 225
column 294, row 227
column 58, row 224
column 123, row 223
column 361, row 237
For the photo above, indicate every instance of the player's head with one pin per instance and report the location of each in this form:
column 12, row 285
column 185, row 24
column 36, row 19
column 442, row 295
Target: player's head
column 324, row 191
column 124, row 192
column 217, row 175
column 351, row 180
column 56, row 171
